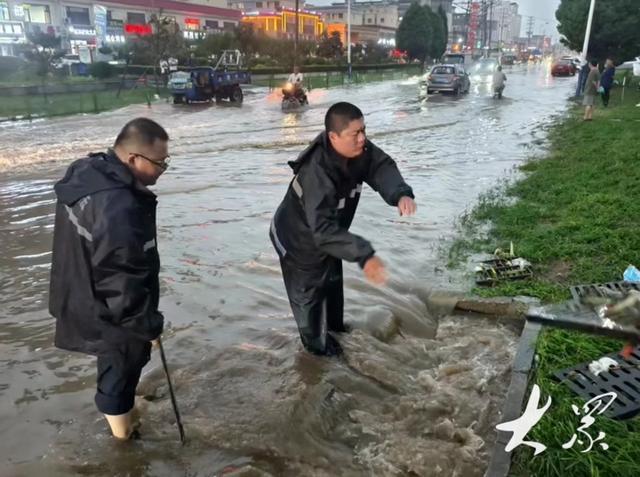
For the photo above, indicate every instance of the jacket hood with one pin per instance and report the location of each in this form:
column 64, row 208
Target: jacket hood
column 95, row 173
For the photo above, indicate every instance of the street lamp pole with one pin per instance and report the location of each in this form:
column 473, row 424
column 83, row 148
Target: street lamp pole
column 295, row 43
column 349, row 39
column 582, row 78
column 585, row 46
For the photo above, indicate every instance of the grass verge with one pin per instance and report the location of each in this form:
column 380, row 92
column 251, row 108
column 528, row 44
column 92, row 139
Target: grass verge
column 574, row 216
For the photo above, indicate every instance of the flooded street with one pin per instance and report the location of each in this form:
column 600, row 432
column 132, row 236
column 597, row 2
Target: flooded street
column 413, row 394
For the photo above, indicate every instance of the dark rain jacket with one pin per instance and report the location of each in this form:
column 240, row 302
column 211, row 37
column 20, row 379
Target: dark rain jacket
column 606, row 81
column 313, row 220
column 104, row 287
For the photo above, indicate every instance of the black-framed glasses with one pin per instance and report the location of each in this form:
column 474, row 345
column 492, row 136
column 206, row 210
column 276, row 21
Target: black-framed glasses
column 162, row 163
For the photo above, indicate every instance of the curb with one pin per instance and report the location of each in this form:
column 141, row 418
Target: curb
column 500, row 463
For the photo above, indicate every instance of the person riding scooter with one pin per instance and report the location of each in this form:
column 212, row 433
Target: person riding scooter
column 499, row 79
column 294, row 88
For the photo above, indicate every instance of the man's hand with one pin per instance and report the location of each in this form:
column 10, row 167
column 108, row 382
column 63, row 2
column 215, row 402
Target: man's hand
column 407, row 206
column 375, row 272
column 155, row 344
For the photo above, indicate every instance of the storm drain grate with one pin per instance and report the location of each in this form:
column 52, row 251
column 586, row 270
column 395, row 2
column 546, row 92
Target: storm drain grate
column 579, row 291
column 623, row 380
column 496, row 270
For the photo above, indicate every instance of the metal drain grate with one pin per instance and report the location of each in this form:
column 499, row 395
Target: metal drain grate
column 498, row 269
column 578, row 291
column 625, row 382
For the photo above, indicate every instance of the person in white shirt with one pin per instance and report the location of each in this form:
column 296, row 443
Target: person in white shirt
column 296, row 78
column 498, row 81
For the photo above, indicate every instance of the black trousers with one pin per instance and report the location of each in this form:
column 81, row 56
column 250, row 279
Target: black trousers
column 118, row 377
column 317, row 300
column 605, row 96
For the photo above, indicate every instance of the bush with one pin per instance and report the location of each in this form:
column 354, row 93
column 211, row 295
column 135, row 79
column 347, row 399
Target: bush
column 102, row 70
column 10, row 65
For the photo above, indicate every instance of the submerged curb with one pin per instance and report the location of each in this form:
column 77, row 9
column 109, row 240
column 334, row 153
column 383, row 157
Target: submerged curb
column 500, row 463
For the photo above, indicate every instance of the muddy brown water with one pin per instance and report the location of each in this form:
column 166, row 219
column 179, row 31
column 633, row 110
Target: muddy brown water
column 420, row 402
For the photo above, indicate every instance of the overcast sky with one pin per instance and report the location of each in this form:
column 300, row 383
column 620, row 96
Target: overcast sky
column 543, row 11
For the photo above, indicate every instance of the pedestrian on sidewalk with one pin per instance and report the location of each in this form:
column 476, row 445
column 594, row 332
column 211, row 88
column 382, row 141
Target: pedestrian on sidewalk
column 591, row 90
column 606, row 81
column 104, row 287
column 310, row 229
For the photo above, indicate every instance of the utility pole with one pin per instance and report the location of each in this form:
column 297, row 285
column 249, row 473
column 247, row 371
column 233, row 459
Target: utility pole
column 348, row 38
column 587, row 34
column 529, row 31
column 483, row 10
column 490, row 27
column 295, row 43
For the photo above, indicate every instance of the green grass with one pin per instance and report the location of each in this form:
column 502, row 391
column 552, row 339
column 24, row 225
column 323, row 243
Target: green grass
column 70, row 103
column 575, row 216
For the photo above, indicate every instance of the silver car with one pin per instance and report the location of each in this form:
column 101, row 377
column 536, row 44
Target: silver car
column 451, row 78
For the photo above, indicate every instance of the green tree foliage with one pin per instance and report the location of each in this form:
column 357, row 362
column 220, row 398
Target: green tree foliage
column 330, row 46
column 166, row 40
column 438, row 42
column 445, row 28
column 43, row 49
column 415, row 32
column 615, row 32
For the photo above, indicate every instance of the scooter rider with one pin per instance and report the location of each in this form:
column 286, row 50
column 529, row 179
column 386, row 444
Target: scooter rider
column 296, row 79
column 499, row 79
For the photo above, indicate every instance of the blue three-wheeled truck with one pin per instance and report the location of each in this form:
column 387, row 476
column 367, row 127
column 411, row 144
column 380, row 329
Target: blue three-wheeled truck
column 205, row 83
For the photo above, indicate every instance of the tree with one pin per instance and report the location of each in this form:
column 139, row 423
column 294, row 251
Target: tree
column 445, row 27
column 438, row 42
column 331, row 46
column 248, row 41
column 43, row 49
column 166, row 40
column 614, row 32
column 414, row 33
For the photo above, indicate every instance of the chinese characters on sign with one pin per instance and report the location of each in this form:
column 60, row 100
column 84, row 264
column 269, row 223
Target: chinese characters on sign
column 532, row 415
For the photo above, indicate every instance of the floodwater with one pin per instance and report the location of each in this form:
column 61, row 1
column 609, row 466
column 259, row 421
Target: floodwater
column 416, row 392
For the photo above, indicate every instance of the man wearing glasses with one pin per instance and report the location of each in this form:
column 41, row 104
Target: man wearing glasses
column 104, row 275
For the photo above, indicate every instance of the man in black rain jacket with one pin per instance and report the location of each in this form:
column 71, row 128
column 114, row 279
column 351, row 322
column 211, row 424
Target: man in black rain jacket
column 310, row 229
column 104, row 287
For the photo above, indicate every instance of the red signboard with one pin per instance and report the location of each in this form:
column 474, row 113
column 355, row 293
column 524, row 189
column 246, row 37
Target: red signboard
column 192, row 21
column 474, row 17
column 136, row 29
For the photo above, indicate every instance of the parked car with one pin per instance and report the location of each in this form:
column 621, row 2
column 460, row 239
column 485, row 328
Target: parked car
column 573, row 59
column 563, row 68
column 633, row 65
column 451, row 78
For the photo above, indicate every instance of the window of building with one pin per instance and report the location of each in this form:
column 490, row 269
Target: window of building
column 76, row 15
column 258, row 4
column 369, row 20
column 381, row 20
column 212, row 24
column 136, row 18
column 276, row 5
column 340, row 15
column 229, row 26
column 34, row 13
column 4, row 11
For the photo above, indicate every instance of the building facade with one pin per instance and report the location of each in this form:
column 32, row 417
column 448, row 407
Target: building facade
column 86, row 25
column 282, row 23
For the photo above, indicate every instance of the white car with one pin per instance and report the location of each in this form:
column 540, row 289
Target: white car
column 67, row 60
column 631, row 65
